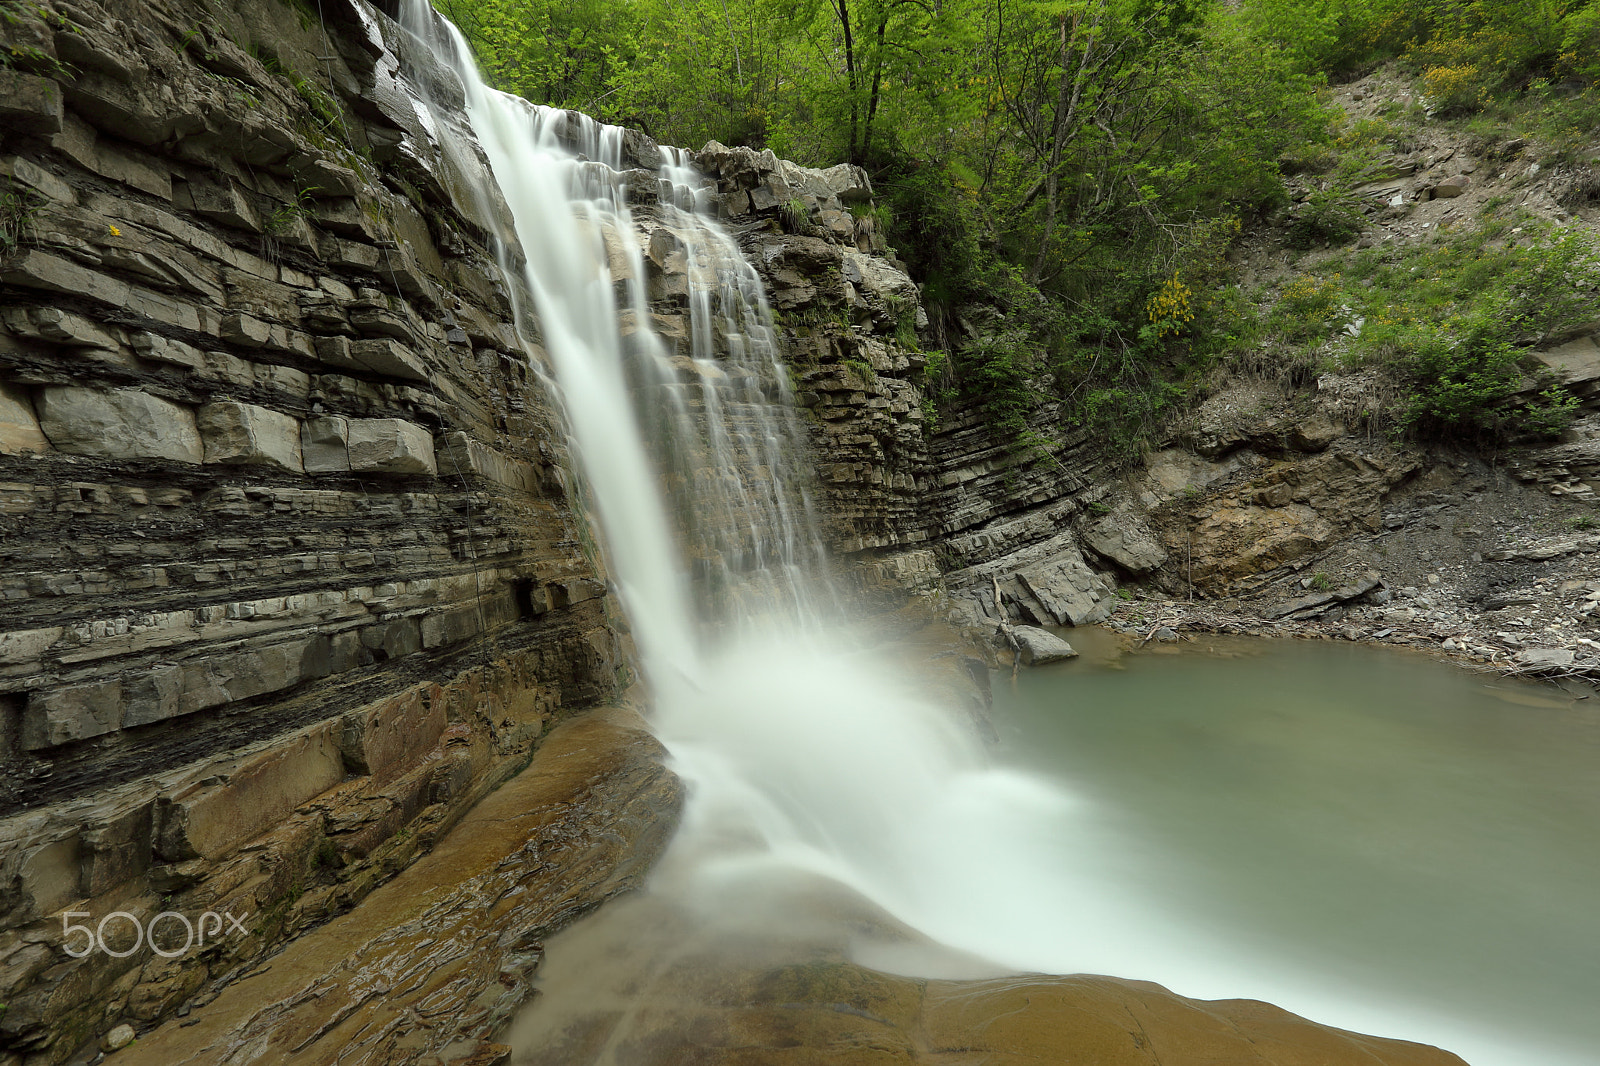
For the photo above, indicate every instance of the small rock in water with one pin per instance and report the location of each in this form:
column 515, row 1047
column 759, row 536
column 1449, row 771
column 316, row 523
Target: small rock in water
column 118, row 1038
column 1165, row 635
column 1040, row 647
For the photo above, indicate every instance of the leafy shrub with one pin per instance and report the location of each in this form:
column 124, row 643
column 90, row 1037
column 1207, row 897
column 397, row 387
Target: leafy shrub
column 1326, row 217
column 1451, row 323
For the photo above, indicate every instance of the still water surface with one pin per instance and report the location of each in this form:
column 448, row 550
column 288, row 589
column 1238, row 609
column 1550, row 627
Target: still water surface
column 1391, row 839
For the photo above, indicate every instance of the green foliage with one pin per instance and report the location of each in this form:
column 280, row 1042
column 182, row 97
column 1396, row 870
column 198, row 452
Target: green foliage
column 863, row 370
column 997, row 367
column 1451, row 323
column 794, row 216
column 284, row 216
column 321, row 104
column 1065, row 178
column 1326, row 217
column 1467, row 52
column 18, row 205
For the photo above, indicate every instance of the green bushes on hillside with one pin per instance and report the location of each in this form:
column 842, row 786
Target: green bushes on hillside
column 1065, row 177
column 1452, row 322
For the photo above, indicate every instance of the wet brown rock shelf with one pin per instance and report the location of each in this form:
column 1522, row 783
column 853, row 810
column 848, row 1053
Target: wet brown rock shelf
column 726, row 1003
column 433, row 962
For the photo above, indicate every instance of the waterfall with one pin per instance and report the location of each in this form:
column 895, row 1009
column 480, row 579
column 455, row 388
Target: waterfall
column 801, row 754
column 690, row 448
column 805, row 758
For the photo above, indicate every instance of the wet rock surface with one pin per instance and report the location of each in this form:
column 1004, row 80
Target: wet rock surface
column 721, row 1003
column 434, row 962
column 1040, row 647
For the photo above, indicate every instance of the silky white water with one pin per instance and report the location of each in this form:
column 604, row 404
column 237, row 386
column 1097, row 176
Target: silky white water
column 804, row 756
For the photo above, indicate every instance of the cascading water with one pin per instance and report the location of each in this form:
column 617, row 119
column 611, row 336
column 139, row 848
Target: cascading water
column 803, row 757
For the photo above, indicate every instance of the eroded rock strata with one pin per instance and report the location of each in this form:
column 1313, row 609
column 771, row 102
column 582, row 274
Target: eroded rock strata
column 291, row 575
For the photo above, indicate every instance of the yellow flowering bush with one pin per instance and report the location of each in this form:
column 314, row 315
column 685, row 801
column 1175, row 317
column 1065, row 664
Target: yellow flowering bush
column 1171, row 308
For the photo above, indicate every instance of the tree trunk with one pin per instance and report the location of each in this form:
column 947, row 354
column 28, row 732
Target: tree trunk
column 877, row 85
column 842, row 9
column 1067, row 100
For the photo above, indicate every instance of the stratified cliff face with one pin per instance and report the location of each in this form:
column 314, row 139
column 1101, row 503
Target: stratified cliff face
column 909, row 502
column 289, row 571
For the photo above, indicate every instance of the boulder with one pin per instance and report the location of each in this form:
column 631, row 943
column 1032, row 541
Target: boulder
column 1126, row 541
column 118, row 424
column 1040, row 647
column 390, row 446
column 874, row 276
column 849, row 183
column 1063, row 590
column 242, row 433
column 1452, row 187
column 118, row 1038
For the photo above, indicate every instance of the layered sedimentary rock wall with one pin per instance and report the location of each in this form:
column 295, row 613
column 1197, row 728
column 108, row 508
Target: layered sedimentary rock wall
column 1263, row 480
column 289, row 569
column 912, row 499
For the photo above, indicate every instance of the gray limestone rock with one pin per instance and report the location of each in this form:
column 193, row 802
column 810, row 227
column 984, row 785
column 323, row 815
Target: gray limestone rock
column 74, row 712
column 849, row 183
column 19, row 429
column 29, row 104
column 159, row 349
column 154, row 696
column 1125, row 541
column 1545, row 658
column 118, row 424
column 324, row 445
column 242, row 433
column 1040, row 647
column 390, row 446
column 1063, row 590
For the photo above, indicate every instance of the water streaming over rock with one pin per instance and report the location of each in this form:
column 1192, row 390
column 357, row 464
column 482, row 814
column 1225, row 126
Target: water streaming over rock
column 803, row 756
column 689, row 444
